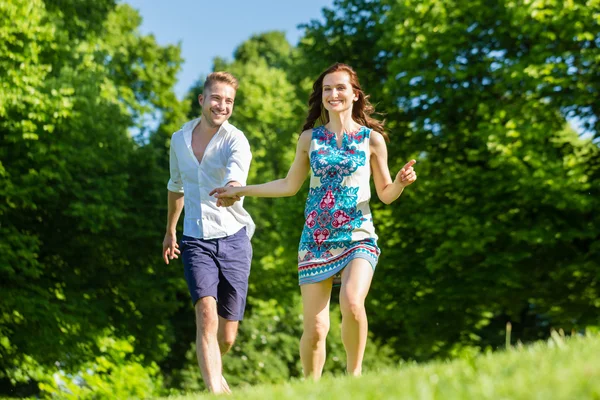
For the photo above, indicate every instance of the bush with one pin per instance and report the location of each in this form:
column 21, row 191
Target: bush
column 115, row 373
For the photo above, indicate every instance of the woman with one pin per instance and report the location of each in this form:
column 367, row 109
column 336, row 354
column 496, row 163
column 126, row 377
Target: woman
column 338, row 235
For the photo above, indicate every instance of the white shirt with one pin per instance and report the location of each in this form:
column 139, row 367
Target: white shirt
column 226, row 158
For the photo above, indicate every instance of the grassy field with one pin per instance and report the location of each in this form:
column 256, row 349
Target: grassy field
column 561, row 368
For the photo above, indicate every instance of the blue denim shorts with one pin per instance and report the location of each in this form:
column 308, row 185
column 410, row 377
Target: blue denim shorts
column 219, row 268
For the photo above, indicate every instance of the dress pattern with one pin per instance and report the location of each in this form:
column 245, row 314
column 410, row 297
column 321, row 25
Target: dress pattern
column 338, row 223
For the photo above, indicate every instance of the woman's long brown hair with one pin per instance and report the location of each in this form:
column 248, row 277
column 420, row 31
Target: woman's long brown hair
column 361, row 110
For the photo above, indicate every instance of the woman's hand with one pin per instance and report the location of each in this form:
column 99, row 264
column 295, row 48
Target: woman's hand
column 406, row 175
column 226, row 195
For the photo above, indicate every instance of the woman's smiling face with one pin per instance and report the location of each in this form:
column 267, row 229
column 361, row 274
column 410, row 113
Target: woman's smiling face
column 338, row 94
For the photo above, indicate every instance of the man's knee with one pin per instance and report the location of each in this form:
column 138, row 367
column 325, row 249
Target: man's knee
column 227, row 334
column 226, row 342
column 206, row 314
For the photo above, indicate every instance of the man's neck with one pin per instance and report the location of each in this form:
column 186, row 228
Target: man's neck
column 204, row 129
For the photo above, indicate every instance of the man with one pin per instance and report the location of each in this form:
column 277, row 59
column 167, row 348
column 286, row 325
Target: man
column 209, row 152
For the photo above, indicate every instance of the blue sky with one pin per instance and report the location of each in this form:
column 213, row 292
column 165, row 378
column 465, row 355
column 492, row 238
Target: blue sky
column 207, row 29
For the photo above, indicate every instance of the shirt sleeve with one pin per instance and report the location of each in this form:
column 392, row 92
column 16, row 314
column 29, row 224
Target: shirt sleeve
column 239, row 160
column 175, row 182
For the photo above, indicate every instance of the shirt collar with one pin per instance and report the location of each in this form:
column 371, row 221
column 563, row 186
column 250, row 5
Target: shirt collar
column 189, row 127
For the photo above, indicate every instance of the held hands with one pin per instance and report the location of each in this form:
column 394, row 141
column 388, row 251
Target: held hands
column 170, row 248
column 226, row 196
column 406, row 175
column 226, row 202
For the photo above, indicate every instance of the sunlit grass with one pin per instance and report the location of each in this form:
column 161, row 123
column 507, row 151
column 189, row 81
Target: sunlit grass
column 561, row 368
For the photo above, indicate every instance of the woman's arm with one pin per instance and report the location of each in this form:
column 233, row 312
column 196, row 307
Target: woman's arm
column 388, row 190
column 287, row 186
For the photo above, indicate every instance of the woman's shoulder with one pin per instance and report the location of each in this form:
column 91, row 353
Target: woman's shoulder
column 375, row 135
column 376, row 138
column 307, row 133
column 312, row 133
column 305, row 138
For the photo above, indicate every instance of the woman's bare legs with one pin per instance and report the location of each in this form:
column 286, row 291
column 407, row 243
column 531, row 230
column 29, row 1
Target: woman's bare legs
column 356, row 280
column 315, row 302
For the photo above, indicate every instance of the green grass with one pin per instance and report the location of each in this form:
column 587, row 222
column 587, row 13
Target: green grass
column 562, row 368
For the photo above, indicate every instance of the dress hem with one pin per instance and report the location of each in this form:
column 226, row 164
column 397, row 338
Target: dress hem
column 356, row 253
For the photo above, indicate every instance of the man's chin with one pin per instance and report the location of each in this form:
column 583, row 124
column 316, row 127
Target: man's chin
column 215, row 123
column 219, row 121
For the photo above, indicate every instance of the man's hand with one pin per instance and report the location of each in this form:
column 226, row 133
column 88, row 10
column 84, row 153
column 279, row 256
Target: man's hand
column 170, row 248
column 226, row 202
column 226, row 195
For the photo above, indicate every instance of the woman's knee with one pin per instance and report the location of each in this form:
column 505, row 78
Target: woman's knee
column 316, row 331
column 352, row 307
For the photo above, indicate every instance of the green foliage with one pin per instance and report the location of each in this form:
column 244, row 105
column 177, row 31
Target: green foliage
column 114, row 373
column 79, row 17
column 500, row 225
column 350, row 35
column 272, row 47
column 76, row 258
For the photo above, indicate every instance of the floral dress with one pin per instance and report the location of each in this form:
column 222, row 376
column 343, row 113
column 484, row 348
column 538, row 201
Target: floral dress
column 338, row 225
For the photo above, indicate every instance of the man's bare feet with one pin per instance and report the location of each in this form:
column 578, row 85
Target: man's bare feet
column 225, row 385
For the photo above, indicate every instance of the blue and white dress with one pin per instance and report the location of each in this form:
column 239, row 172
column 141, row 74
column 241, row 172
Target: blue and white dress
column 339, row 225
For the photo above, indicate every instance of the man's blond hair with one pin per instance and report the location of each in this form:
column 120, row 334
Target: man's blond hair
column 221, row 76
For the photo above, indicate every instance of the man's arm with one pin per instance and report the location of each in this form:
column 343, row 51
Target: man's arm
column 174, row 208
column 287, row 186
column 238, row 166
column 170, row 246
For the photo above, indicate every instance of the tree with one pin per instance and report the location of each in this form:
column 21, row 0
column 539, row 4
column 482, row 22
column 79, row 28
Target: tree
column 78, row 232
column 500, row 221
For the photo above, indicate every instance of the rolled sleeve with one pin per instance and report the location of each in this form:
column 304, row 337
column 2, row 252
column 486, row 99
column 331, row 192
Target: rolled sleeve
column 239, row 160
column 175, row 182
